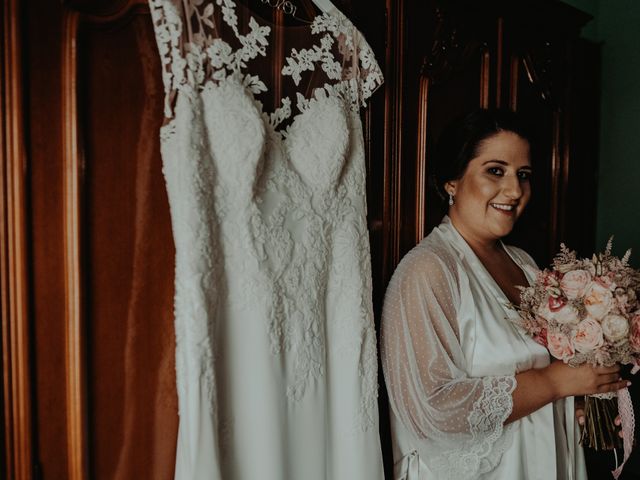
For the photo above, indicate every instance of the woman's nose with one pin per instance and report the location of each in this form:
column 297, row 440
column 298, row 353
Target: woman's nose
column 512, row 187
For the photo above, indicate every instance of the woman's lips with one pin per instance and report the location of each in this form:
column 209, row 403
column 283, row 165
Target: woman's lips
column 505, row 209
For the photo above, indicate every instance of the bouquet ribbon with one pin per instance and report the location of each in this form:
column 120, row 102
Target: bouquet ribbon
column 628, row 423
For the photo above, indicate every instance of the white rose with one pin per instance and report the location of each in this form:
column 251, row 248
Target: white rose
column 575, row 283
column 598, row 300
column 615, row 328
column 566, row 315
column 559, row 311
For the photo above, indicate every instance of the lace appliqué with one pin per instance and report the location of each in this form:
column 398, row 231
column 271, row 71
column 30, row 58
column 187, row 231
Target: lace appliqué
column 205, row 56
column 311, row 229
column 490, row 437
column 198, row 265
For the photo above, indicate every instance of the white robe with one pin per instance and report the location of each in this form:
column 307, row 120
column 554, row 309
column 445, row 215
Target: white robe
column 450, row 355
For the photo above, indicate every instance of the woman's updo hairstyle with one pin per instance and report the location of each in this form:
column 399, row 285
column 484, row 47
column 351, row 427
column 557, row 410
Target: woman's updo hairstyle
column 460, row 142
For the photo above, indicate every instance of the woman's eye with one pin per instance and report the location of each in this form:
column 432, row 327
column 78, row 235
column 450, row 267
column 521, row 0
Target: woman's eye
column 495, row 171
column 524, row 175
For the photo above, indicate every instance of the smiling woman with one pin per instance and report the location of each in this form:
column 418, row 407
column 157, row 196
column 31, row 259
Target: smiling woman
column 495, row 187
column 471, row 395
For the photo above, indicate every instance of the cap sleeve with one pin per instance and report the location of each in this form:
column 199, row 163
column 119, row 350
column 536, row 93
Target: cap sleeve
column 369, row 73
column 457, row 420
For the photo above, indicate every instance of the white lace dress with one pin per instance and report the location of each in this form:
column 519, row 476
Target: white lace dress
column 276, row 353
column 450, row 355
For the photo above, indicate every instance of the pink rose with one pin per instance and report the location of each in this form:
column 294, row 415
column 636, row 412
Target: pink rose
column 560, row 346
column 574, row 283
column 634, row 338
column 598, row 300
column 588, row 336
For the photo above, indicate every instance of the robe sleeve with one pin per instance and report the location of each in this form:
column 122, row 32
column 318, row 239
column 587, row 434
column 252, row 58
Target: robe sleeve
column 457, row 420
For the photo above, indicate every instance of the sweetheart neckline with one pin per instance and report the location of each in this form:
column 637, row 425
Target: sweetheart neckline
column 264, row 115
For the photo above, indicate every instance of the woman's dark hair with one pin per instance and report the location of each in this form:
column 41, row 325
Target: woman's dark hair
column 461, row 140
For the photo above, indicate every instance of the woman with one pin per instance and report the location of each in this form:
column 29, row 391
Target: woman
column 472, row 396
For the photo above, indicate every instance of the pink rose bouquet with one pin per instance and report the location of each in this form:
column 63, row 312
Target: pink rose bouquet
column 587, row 310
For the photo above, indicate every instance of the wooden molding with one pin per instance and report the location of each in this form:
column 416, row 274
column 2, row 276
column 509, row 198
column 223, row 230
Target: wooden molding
column 485, row 79
column 74, row 168
column 513, row 87
column 122, row 13
column 539, row 67
column 13, row 255
column 421, row 161
column 72, row 191
column 563, row 181
column 499, row 44
column 394, row 61
column 555, row 183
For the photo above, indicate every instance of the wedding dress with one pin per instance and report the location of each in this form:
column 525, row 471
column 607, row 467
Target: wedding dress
column 450, row 354
column 264, row 165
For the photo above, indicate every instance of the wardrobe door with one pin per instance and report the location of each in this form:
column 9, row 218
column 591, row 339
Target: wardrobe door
column 457, row 75
column 445, row 58
column 16, row 442
column 440, row 61
column 104, row 404
column 538, row 84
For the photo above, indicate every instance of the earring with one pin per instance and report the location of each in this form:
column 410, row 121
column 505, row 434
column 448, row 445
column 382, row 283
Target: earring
column 450, row 199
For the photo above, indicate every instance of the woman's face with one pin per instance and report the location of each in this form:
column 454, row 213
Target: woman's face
column 494, row 188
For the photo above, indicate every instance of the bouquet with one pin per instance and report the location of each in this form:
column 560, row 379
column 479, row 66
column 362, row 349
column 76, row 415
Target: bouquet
column 587, row 310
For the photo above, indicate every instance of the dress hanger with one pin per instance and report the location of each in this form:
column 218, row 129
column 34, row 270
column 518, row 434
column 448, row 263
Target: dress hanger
column 289, row 8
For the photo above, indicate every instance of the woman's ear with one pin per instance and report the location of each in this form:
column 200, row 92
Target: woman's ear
column 450, row 187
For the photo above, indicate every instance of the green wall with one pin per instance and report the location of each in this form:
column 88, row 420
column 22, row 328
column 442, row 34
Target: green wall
column 590, row 30
column 617, row 27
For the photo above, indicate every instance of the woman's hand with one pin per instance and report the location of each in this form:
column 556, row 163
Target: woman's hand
column 618, row 423
column 579, row 410
column 537, row 387
column 584, row 379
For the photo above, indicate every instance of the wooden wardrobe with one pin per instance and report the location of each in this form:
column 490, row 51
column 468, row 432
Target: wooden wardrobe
column 87, row 256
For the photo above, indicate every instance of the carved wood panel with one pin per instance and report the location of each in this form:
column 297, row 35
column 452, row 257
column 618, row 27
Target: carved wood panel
column 464, row 55
column 14, row 276
column 121, row 407
column 102, row 247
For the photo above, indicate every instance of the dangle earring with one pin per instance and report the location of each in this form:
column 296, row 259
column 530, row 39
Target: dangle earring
column 450, row 199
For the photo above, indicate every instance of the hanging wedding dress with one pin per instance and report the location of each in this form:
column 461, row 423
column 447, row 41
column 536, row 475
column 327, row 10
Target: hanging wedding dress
column 276, row 354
